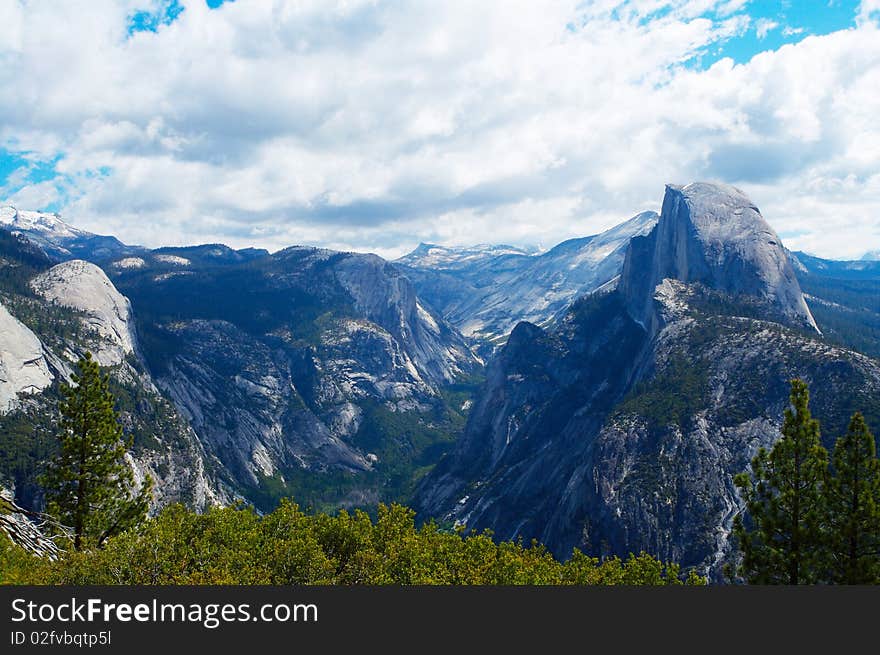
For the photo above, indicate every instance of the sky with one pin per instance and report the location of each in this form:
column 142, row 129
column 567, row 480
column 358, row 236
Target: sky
column 373, row 126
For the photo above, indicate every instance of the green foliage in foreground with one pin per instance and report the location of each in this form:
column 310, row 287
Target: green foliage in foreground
column 288, row 546
column 17, row 566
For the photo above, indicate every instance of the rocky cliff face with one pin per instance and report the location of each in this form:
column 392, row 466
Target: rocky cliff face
column 23, row 366
column 308, row 372
column 388, row 299
column 620, row 428
column 712, row 234
column 107, row 315
column 240, row 398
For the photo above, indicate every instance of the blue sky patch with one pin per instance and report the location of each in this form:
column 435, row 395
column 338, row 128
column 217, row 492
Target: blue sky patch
column 775, row 23
column 9, row 163
column 146, row 21
column 17, row 170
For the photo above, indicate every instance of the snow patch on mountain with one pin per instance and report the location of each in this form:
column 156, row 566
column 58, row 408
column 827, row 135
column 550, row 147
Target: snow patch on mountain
column 429, row 255
column 129, row 263
column 173, row 259
column 167, row 276
column 32, row 221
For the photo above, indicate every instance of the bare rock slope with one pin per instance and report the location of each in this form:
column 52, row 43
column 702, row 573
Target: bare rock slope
column 83, row 286
column 23, row 366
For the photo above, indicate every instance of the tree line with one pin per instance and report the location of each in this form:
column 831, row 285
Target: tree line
column 236, row 545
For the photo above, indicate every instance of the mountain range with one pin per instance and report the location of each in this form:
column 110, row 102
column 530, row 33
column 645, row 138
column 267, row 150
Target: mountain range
column 597, row 395
column 305, row 372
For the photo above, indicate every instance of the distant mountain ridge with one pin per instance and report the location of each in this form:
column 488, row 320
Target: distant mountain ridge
column 60, row 240
column 844, row 297
column 452, row 258
column 486, row 292
column 843, row 269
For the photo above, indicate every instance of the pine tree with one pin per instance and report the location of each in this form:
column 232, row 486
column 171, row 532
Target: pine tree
column 784, row 502
column 90, row 486
column 853, row 519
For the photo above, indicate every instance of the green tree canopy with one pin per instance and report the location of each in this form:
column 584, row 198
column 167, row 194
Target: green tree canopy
column 853, row 520
column 783, row 544
column 90, row 486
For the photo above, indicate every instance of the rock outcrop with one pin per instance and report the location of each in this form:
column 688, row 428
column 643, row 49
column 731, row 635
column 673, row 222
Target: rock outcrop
column 75, row 308
column 83, row 286
column 712, row 234
column 388, row 299
column 24, row 528
column 23, row 365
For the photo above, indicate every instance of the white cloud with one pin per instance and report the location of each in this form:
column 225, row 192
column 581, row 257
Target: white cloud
column 764, row 26
column 11, row 18
column 374, row 125
column 868, row 9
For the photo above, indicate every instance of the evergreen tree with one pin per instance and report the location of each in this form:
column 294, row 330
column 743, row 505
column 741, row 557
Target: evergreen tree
column 90, row 486
column 854, row 507
column 783, row 544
